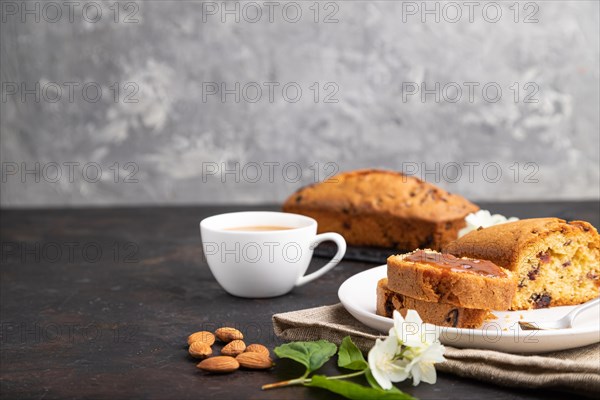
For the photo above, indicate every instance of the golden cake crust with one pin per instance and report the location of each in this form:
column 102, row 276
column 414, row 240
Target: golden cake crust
column 504, row 244
column 459, row 287
column 383, row 209
column 556, row 263
column 432, row 313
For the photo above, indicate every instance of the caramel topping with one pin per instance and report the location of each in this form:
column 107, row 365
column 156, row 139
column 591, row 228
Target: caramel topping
column 448, row 261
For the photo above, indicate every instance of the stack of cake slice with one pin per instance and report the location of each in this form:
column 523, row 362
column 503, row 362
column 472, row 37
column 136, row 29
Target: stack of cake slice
column 443, row 289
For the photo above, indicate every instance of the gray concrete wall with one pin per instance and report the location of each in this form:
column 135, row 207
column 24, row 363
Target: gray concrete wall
column 168, row 123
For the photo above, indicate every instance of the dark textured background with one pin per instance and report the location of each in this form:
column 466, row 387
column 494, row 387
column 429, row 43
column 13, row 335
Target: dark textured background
column 116, row 328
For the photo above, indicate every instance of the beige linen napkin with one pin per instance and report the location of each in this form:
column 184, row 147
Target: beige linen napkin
column 576, row 370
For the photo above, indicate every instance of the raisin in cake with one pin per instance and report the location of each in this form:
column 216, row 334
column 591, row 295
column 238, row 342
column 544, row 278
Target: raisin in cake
column 557, row 263
column 442, row 278
column 383, row 209
column 432, row 313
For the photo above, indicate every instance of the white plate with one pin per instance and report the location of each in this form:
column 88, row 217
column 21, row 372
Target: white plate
column 358, row 296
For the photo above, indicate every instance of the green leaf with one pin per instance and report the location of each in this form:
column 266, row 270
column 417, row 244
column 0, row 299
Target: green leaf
column 310, row 354
column 350, row 357
column 354, row 391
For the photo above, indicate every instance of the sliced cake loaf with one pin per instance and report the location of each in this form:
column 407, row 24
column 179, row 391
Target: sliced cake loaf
column 442, row 278
column 432, row 313
column 556, row 263
column 383, row 209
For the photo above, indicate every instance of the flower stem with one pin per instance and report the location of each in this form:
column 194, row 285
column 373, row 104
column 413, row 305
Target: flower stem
column 359, row 373
column 303, row 380
column 297, row 381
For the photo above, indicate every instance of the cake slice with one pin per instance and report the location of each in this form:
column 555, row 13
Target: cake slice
column 383, row 209
column 442, row 278
column 556, row 263
column 432, row 313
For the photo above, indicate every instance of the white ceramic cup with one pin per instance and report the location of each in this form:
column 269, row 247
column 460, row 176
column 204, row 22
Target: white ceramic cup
column 259, row 264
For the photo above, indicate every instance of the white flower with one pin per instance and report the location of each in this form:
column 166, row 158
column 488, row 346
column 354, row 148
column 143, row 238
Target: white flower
column 383, row 362
column 484, row 219
column 412, row 331
column 422, row 346
column 410, row 351
column 421, row 367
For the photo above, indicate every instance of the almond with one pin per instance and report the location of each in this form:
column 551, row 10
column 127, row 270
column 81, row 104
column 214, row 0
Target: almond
column 258, row 348
column 202, row 336
column 226, row 334
column 233, row 348
column 219, row 364
column 200, row 349
column 253, row 360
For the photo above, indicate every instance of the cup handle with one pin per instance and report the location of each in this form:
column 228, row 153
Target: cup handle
column 341, row 250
